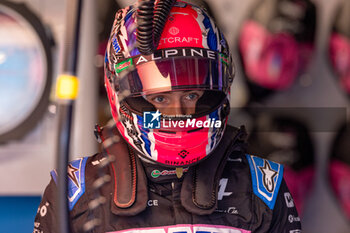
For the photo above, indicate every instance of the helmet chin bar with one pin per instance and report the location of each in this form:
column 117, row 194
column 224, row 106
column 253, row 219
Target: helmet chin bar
column 162, row 146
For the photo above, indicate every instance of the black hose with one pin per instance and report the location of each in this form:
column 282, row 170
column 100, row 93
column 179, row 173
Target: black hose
column 151, row 20
column 144, row 31
column 161, row 14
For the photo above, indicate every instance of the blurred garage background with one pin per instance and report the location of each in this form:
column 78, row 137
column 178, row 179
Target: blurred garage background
column 28, row 120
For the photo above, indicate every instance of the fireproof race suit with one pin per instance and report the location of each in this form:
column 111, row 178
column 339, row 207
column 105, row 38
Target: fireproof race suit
column 250, row 196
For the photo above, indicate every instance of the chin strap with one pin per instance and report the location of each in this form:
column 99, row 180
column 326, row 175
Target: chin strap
column 200, row 185
column 199, row 188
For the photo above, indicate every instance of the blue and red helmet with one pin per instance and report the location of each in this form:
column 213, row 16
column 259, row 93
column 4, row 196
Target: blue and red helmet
column 192, row 55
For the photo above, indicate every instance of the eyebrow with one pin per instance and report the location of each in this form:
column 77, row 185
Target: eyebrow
column 169, row 92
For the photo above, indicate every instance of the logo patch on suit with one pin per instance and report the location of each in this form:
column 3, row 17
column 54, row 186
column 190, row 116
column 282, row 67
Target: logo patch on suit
column 268, row 176
column 289, row 200
column 266, row 179
column 76, row 180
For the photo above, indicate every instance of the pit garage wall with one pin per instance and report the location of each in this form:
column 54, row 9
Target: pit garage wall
column 25, row 164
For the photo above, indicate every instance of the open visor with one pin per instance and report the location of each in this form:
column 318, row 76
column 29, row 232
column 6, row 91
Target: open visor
column 205, row 70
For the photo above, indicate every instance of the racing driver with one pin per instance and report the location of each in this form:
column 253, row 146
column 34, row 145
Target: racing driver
column 174, row 164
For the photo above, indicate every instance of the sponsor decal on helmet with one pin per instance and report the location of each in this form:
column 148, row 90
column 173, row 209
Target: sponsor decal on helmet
column 123, row 65
column 174, row 31
column 182, row 163
column 183, row 154
column 224, row 59
column 116, row 45
column 173, row 53
column 177, row 39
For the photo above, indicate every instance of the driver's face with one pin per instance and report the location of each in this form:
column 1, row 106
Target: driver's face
column 175, row 102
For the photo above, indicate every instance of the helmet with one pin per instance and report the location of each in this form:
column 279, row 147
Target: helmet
column 276, row 44
column 192, row 55
column 339, row 47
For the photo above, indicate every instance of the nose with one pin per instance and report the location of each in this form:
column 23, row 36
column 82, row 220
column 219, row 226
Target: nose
column 176, row 107
column 179, row 108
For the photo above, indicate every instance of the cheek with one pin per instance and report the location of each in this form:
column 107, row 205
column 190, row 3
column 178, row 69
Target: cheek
column 189, row 107
column 159, row 104
column 189, row 103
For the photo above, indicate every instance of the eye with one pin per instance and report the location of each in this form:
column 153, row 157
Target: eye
column 159, row 99
column 192, row 96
